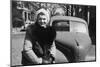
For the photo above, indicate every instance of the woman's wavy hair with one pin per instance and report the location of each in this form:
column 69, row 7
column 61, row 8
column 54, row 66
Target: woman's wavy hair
column 42, row 11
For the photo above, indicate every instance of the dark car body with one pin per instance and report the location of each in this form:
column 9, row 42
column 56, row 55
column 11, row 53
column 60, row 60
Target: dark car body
column 72, row 37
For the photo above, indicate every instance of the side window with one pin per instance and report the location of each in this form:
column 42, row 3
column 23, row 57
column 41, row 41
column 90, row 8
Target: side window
column 61, row 25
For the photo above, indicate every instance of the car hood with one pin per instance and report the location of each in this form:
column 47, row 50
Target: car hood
column 73, row 38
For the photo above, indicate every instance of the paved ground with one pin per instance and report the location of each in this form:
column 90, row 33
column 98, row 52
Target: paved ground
column 17, row 40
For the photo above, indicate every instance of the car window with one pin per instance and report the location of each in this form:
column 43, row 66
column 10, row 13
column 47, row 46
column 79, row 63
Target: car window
column 76, row 26
column 61, row 25
column 71, row 26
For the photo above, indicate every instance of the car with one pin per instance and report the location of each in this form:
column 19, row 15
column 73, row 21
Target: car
column 72, row 37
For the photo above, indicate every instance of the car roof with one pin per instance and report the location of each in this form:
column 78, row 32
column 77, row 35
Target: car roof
column 68, row 18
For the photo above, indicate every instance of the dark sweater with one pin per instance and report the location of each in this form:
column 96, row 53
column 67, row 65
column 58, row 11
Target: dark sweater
column 44, row 37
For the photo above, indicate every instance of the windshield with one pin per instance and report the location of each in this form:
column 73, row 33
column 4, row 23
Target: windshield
column 71, row 26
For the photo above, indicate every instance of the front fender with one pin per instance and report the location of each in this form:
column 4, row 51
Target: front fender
column 74, row 46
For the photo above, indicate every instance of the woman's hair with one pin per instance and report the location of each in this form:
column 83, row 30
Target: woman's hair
column 42, row 11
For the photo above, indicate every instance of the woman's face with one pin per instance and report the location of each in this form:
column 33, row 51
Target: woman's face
column 43, row 21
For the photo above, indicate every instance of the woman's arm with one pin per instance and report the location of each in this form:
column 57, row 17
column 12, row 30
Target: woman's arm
column 29, row 53
column 53, row 51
